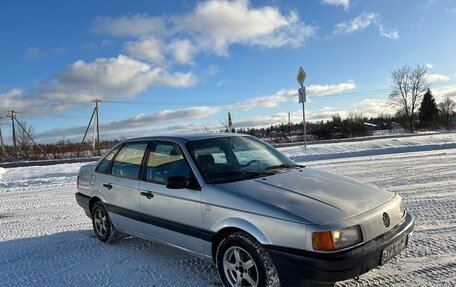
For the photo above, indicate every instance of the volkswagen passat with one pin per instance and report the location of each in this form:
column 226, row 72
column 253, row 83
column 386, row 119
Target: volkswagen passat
column 263, row 219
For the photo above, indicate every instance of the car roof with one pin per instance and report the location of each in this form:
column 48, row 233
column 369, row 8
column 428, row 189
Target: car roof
column 186, row 136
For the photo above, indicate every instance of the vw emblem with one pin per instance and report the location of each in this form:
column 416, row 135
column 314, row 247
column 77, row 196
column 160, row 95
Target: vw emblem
column 386, row 219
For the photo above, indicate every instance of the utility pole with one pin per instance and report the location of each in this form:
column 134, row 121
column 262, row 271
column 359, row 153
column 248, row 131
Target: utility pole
column 1, row 141
column 230, row 123
column 14, row 134
column 95, row 129
column 289, row 126
column 98, row 127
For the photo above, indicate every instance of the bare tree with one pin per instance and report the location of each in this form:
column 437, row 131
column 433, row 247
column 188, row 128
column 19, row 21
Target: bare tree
column 447, row 107
column 409, row 85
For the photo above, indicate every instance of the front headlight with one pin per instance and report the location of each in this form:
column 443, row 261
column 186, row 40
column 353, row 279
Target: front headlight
column 337, row 239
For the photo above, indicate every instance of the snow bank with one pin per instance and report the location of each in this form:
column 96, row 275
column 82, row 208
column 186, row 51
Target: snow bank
column 371, row 147
column 2, row 171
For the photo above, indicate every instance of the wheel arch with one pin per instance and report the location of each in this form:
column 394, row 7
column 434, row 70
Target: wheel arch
column 231, row 225
column 92, row 202
column 96, row 196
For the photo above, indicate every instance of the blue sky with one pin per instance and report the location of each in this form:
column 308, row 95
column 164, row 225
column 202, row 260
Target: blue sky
column 161, row 66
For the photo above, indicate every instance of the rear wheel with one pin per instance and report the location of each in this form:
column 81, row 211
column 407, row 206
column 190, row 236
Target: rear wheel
column 243, row 262
column 102, row 224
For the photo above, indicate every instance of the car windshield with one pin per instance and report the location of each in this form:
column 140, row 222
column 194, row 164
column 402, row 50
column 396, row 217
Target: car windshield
column 236, row 158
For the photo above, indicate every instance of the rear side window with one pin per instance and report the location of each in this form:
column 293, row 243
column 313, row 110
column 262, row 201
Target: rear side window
column 128, row 161
column 104, row 164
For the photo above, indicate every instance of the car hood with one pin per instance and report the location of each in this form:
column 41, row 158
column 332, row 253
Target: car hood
column 308, row 195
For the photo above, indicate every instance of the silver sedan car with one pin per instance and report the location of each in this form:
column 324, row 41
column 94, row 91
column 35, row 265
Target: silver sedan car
column 263, row 219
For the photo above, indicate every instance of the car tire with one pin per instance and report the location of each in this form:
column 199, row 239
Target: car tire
column 102, row 225
column 241, row 258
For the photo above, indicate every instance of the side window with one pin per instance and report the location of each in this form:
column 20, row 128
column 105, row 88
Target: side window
column 165, row 160
column 128, row 161
column 104, row 164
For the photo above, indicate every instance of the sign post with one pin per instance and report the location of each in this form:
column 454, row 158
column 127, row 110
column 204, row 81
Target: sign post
column 302, row 99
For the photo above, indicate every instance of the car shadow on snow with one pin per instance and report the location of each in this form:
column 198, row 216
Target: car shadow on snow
column 77, row 258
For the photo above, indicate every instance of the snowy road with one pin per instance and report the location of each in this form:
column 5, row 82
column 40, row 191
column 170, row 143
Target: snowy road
column 46, row 239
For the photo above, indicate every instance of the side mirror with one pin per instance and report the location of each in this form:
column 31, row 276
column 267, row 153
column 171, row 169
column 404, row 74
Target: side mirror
column 177, row 182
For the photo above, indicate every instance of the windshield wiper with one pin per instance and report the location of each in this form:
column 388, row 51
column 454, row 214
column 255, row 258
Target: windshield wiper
column 285, row 166
column 239, row 175
column 256, row 173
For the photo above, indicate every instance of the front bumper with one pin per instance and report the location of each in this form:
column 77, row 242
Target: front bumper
column 298, row 267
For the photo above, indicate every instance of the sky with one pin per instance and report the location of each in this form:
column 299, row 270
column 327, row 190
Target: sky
column 181, row 66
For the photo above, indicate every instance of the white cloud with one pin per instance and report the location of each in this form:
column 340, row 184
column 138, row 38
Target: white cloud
column 155, row 51
column 182, row 51
column 269, row 101
column 388, row 33
column 223, row 82
column 343, row 3
column 374, row 107
column 323, row 115
column 437, row 78
column 134, row 25
column 132, row 125
column 111, row 79
column 284, row 95
column 429, row 66
column 294, row 34
column 15, row 99
column 357, row 24
column 212, row 26
column 162, row 117
column 441, row 93
column 262, row 121
column 217, row 24
column 362, row 22
column 148, row 49
column 105, row 78
column 324, row 90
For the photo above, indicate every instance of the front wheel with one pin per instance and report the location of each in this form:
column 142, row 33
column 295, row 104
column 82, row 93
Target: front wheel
column 102, row 224
column 243, row 262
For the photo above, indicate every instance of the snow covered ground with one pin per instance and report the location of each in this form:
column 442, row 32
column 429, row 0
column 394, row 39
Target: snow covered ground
column 46, row 239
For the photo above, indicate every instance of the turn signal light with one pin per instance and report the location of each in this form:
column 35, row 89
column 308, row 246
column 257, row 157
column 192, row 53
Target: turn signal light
column 323, row 241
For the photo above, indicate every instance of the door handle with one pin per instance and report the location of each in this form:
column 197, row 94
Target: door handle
column 107, row 185
column 149, row 195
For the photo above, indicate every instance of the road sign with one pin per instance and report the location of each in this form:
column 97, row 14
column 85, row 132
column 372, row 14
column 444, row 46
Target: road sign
column 301, row 76
column 302, row 95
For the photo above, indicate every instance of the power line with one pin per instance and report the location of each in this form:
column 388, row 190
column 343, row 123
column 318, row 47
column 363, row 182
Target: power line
column 186, row 103
column 314, row 97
